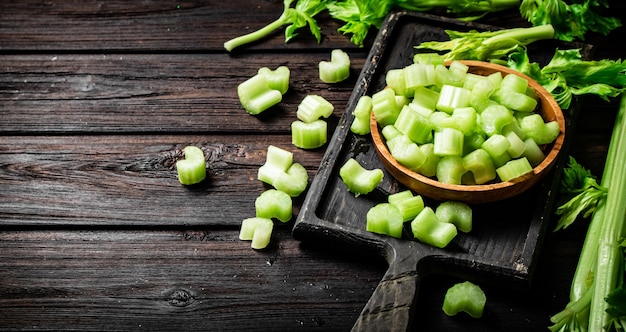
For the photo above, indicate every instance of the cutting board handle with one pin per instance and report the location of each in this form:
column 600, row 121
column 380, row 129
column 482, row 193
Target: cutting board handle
column 391, row 306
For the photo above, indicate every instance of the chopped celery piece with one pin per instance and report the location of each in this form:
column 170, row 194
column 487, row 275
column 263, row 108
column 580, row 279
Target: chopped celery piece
column 456, row 213
column 480, row 164
column 541, row 132
column 395, row 80
column 513, row 82
column 428, row 229
column 533, row 152
column 294, row 181
column 450, row 169
column 464, row 297
column 362, row 111
column 429, row 167
column 498, row 148
column 257, row 229
column 385, row 107
column 425, row 97
column 408, row 205
column 516, row 145
column 437, row 117
column 517, row 101
column 337, row 70
column 277, row 79
column 192, row 169
column 513, row 169
column 385, row 219
column 462, row 119
column 417, row 127
column 418, row 75
column 277, row 161
column 274, row 203
column 406, row 152
column 451, row 97
column 494, row 118
column 472, row 142
column 459, row 70
column 359, row 180
column 263, row 90
column 314, row 107
column 448, row 142
column 428, row 58
column 309, row 135
column 390, row 131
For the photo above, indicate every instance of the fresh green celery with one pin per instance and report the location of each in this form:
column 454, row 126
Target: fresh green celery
column 385, row 107
column 472, row 142
column 513, row 82
column 277, row 79
column 274, row 203
column 192, row 169
column 395, row 80
column 277, row 161
column 337, row 70
column 425, row 97
column 458, row 70
column 450, row 170
column 390, row 132
column 385, row 219
column 457, row 213
column 408, row 205
column 438, row 117
column 429, row 167
column 517, row 147
column 362, row 111
column 494, row 118
column 448, row 142
column 428, row 229
column 517, row 101
column 294, row 181
column 428, row 58
column 314, row 107
column 418, row 75
column 451, row 97
column 309, row 135
column 406, row 152
column 498, row 148
column 256, row 95
column 359, row 180
column 541, row 132
column 480, row 164
column 417, row 127
column 462, row 119
column 513, row 169
column 257, row 229
column 533, row 152
column 464, row 297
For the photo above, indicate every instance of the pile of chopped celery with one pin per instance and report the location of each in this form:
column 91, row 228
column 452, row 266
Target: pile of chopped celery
column 459, row 127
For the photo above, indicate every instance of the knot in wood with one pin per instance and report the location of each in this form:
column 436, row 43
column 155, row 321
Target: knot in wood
column 180, row 298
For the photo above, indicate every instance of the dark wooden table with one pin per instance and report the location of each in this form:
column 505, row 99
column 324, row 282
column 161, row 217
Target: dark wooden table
column 97, row 100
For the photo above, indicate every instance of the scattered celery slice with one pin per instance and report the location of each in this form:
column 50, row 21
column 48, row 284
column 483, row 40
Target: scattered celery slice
column 274, row 203
column 428, row 229
column 192, row 169
column 314, row 107
column 337, row 70
column 464, row 297
column 257, row 229
column 408, row 205
column 263, row 90
column 457, row 213
column 362, row 112
column 359, row 180
column 309, row 135
column 386, row 219
column 513, row 169
column 294, row 181
column 281, row 172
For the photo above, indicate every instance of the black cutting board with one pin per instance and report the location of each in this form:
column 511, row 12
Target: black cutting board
column 507, row 235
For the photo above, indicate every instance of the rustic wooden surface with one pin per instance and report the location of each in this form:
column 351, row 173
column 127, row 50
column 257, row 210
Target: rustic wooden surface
column 97, row 99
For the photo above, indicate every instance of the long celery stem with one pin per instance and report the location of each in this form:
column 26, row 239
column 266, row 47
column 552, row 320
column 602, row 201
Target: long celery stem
column 256, row 35
column 609, row 252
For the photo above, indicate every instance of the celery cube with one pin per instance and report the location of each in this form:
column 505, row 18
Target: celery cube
column 464, row 297
column 395, row 80
column 406, row 152
column 516, row 145
column 450, row 169
column 358, row 179
column 516, row 101
column 390, row 131
column 418, row 75
column 494, row 118
column 385, row 107
column 513, row 82
column 429, row 167
column 408, row 205
column 480, row 164
column 451, row 97
column 337, row 70
column 533, row 152
column 448, row 142
column 417, row 127
column 513, row 169
column 309, row 135
column 277, row 79
column 294, row 181
column 428, row 229
column 273, row 203
column 497, row 146
column 192, row 169
column 385, row 219
column 257, row 229
column 541, row 132
column 314, row 107
column 456, row 213
column 425, row 97
column 362, row 111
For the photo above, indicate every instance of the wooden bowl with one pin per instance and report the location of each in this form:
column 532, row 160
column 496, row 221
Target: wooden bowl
column 547, row 107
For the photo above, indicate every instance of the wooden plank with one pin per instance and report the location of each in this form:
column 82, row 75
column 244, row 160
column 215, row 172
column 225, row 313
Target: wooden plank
column 161, row 25
column 139, row 93
column 131, row 180
column 165, row 280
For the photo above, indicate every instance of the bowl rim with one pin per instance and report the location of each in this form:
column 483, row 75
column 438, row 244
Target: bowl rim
column 546, row 100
